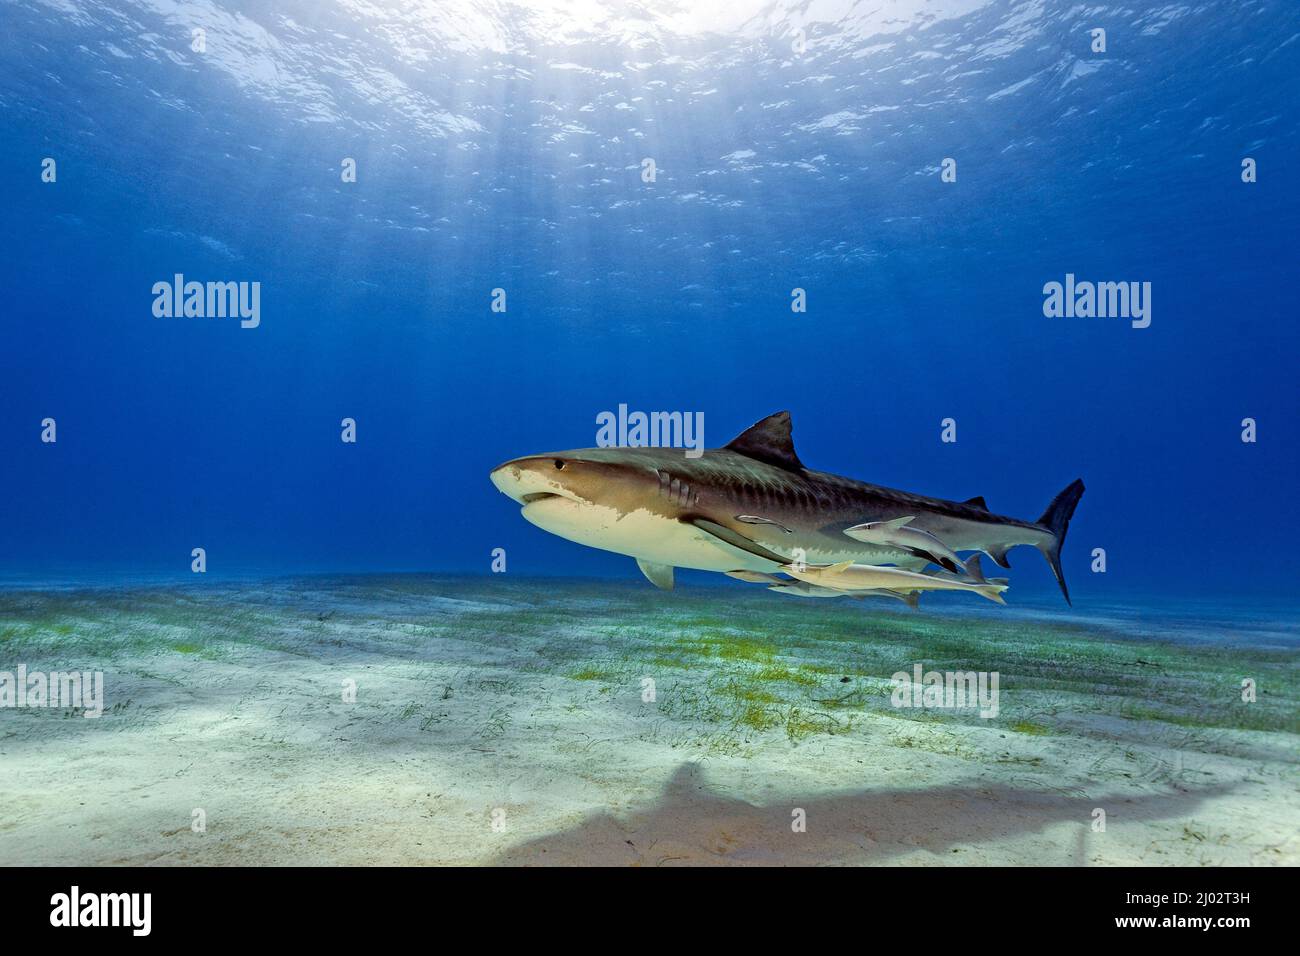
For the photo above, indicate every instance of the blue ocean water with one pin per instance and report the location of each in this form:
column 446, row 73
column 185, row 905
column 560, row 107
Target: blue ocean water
column 503, row 146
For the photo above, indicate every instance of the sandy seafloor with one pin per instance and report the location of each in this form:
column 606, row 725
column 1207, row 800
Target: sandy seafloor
column 500, row 720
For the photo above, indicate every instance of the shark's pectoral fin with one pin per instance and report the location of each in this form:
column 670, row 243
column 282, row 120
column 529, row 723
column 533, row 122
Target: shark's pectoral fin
column 734, row 539
column 660, row 575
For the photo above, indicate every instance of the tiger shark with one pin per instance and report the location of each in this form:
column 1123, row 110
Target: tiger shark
column 753, row 506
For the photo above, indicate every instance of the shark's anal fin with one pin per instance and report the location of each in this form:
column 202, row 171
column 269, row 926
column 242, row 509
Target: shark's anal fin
column 734, row 539
column 660, row 575
column 999, row 555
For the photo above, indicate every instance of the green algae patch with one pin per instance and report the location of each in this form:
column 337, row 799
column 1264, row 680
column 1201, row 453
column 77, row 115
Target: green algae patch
column 744, row 649
column 1031, row 728
column 801, row 676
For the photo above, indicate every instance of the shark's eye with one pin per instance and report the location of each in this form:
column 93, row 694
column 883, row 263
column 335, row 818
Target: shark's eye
column 559, row 464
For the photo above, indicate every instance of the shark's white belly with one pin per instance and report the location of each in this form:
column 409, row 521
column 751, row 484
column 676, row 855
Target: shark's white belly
column 639, row 534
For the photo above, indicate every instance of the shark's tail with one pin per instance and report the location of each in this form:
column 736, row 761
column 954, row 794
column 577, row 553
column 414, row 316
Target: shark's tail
column 1056, row 519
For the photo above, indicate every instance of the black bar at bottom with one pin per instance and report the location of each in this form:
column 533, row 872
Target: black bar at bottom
column 213, row 905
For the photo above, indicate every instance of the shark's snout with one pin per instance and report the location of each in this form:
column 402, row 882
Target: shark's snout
column 526, row 479
column 505, row 477
column 510, row 480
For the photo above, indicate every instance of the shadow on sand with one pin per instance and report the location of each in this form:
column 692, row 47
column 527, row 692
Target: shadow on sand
column 690, row 824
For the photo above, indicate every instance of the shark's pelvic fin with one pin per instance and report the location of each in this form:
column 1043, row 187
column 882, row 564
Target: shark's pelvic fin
column 769, row 441
column 734, row 539
column 660, row 575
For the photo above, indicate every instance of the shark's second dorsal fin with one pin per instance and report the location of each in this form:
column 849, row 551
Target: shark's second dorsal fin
column 977, row 502
column 769, row 441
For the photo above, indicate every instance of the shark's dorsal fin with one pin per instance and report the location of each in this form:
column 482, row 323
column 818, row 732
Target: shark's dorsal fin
column 977, row 502
column 769, row 441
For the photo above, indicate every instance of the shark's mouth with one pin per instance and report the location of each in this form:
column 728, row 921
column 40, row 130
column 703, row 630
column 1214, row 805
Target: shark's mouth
column 528, row 499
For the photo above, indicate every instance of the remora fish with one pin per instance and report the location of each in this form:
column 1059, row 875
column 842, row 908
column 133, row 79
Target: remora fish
column 804, row 589
column 974, row 573
column 847, row 576
column 914, row 541
column 668, row 511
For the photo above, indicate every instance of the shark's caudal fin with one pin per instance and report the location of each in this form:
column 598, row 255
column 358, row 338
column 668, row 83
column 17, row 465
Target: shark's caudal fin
column 1056, row 519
